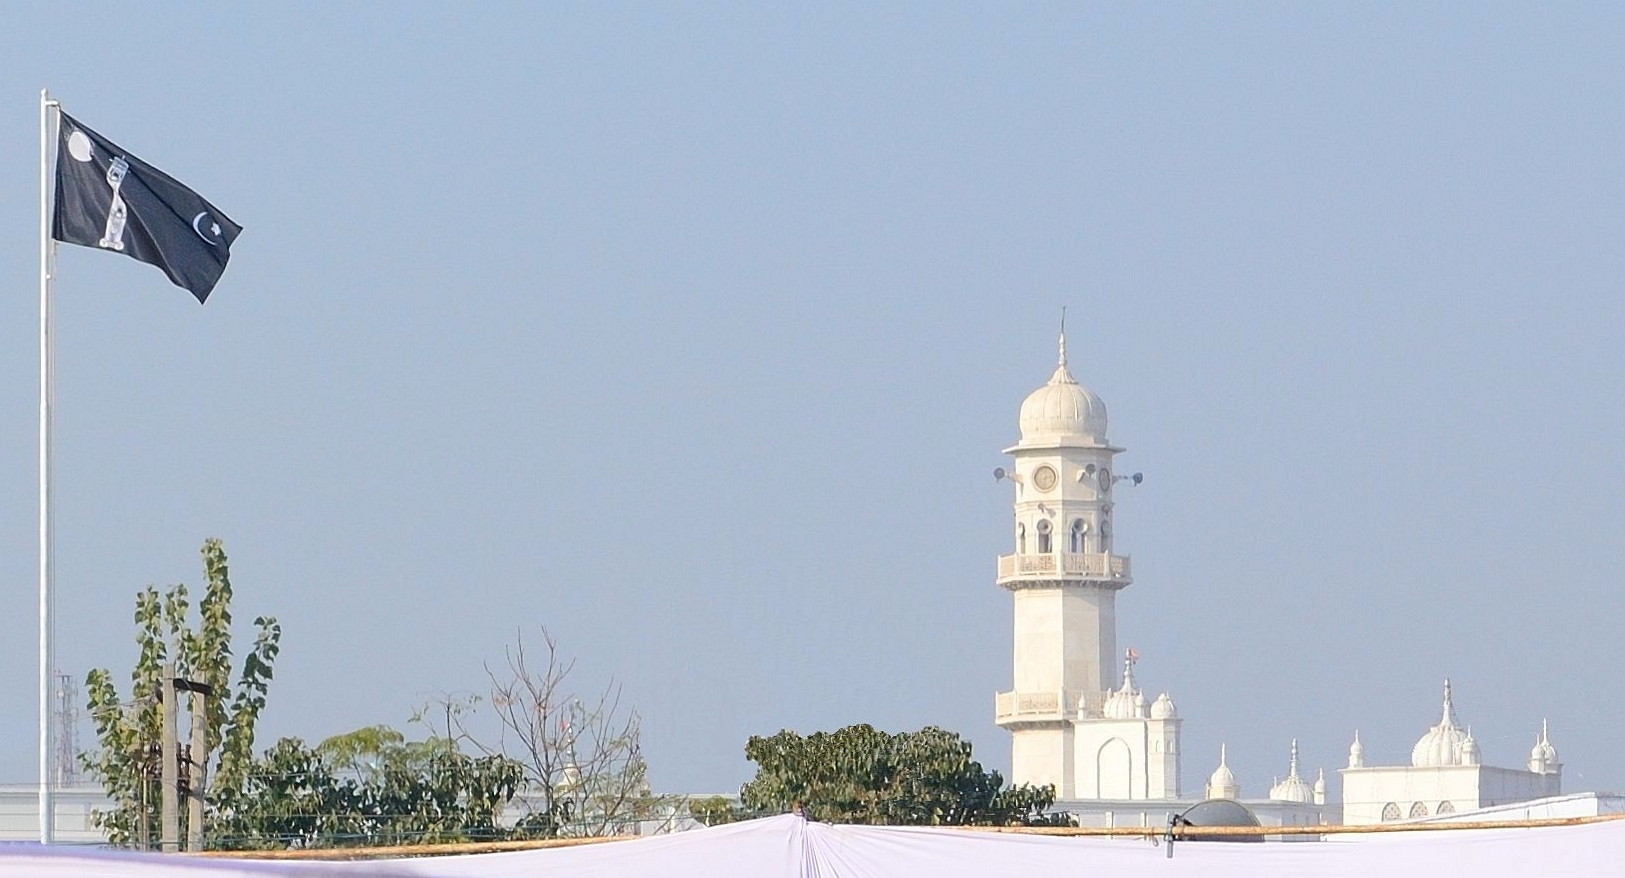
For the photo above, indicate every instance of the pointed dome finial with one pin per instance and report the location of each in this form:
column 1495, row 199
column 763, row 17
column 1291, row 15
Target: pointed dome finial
column 1062, row 362
column 1127, row 702
column 1292, row 788
column 1441, row 744
column 1222, row 784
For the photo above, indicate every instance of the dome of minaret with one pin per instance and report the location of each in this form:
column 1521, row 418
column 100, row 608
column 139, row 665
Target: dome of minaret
column 1163, row 707
column 1063, row 412
column 1440, row 745
column 1356, row 753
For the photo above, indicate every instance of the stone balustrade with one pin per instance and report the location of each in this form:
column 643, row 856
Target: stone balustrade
column 1067, row 565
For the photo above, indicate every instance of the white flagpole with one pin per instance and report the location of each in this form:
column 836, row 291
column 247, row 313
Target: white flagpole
column 47, row 392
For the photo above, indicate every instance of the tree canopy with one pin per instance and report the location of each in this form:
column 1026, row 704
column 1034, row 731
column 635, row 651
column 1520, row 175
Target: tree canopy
column 860, row 774
column 126, row 758
column 368, row 787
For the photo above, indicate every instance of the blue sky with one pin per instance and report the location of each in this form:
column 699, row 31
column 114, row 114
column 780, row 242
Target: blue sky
column 693, row 333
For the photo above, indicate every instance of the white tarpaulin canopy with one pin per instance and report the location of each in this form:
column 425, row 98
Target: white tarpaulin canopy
column 790, row 847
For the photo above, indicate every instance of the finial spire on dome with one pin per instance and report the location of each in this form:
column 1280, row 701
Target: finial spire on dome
column 1062, row 362
column 1062, row 375
column 1222, row 783
column 1449, row 719
column 1292, row 768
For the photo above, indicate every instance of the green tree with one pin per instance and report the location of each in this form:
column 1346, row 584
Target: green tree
column 291, row 797
column 369, row 787
column 714, row 810
column 859, row 774
column 126, row 758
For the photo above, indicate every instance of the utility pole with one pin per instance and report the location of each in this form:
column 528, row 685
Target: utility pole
column 197, row 758
column 169, row 831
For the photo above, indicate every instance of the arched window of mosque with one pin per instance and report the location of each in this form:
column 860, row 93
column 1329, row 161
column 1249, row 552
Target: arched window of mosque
column 1078, row 530
column 1021, row 539
column 1445, row 808
column 1419, row 810
column 1390, row 811
column 1044, row 547
column 1105, row 535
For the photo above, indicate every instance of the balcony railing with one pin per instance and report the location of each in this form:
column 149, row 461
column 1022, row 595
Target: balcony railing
column 1033, row 706
column 1068, row 564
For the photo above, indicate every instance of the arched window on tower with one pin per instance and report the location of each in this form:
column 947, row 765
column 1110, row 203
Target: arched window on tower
column 1044, row 546
column 1021, row 539
column 1105, row 534
column 1078, row 530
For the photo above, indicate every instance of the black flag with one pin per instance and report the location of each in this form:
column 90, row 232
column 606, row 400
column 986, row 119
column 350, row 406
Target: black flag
column 109, row 199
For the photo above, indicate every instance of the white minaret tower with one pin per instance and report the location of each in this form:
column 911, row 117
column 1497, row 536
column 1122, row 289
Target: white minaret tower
column 1063, row 575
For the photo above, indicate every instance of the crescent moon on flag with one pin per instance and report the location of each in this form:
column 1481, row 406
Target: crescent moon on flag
column 212, row 241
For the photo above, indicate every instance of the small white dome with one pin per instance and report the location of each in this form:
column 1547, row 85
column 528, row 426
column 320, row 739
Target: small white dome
column 1469, row 750
column 1356, row 753
column 1163, row 707
column 1121, row 704
column 1441, row 745
column 1543, row 756
column 1222, row 784
column 1127, row 702
column 1063, row 411
column 1293, row 789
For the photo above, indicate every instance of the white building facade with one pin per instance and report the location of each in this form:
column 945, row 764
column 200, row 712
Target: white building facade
column 1445, row 777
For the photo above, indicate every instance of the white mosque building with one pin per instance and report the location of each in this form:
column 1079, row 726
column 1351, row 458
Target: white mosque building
column 1077, row 717
column 1444, row 777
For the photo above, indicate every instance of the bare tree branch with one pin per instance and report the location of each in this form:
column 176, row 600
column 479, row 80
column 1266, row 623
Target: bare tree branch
column 584, row 768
